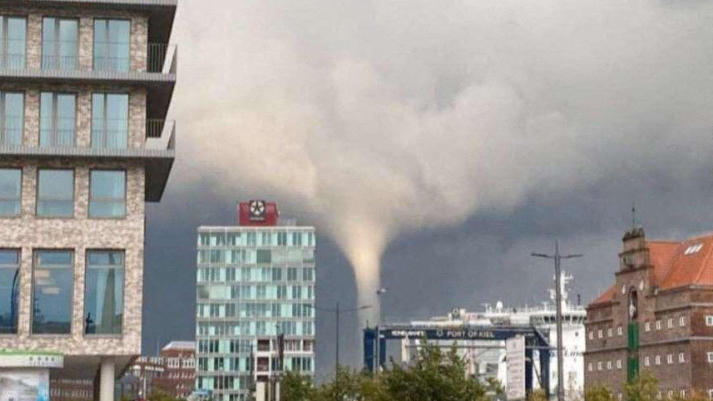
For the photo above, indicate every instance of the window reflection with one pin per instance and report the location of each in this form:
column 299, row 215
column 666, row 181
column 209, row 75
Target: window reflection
column 107, row 196
column 52, row 292
column 9, row 290
column 104, row 292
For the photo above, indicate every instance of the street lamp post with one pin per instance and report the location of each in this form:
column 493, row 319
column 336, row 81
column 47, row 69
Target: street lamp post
column 377, row 364
column 558, row 299
column 338, row 311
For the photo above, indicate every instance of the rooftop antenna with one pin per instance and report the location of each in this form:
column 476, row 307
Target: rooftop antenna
column 633, row 214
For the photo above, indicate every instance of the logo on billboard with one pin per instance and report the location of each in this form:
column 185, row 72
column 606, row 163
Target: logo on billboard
column 257, row 210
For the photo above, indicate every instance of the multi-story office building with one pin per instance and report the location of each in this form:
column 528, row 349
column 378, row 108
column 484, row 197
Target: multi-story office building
column 179, row 371
column 656, row 317
column 255, row 283
column 84, row 90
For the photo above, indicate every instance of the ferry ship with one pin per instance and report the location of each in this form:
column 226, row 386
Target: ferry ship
column 486, row 359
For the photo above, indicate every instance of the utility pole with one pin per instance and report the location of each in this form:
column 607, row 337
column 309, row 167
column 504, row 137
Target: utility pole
column 337, row 311
column 558, row 299
column 377, row 364
column 336, row 353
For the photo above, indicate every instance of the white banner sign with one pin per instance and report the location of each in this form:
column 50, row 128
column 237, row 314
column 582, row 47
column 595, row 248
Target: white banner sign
column 515, row 354
column 20, row 359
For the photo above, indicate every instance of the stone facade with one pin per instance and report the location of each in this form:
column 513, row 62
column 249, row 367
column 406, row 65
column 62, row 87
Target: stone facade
column 29, row 233
column 668, row 322
column 79, row 234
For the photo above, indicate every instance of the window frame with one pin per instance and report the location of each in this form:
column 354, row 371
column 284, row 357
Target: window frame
column 126, row 195
column 123, row 292
column 18, row 283
column 104, row 134
column 56, row 64
column 55, row 116
column 19, row 199
column 35, row 258
column 4, row 43
column 37, row 193
column 3, row 116
column 106, row 21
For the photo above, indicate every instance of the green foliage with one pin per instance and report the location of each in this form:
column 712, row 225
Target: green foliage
column 296, row 387
column 435, row 376
column 598, row 393
column 158, row 395
column 643, row 388
column 537, row 395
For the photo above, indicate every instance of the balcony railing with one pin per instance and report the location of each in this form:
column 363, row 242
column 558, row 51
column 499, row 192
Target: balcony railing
column 156, row 61
column 12, row 61
column 60, row 63
column 155, row 127
column 160, row 134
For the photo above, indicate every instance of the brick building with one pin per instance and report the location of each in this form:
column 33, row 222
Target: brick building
column 141, row 378
column 657, row 317
column 85, row 86
column 178, row 378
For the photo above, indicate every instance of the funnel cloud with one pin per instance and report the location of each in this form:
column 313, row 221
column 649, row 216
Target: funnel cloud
column 377, row 118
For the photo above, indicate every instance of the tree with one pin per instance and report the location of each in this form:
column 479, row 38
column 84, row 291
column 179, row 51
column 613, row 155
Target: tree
column 598, row 393
column 296, row 387
column 436, row 376
column 643, row 388
column 158, row 395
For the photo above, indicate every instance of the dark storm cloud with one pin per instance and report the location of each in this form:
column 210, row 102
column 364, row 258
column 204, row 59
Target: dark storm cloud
column 469, row 133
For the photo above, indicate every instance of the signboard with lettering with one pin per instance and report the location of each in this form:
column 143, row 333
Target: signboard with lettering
column 459, row 333
column 515, row 354
column 29, row 359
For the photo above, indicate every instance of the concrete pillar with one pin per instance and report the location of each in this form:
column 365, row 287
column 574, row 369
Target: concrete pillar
column 106, row 380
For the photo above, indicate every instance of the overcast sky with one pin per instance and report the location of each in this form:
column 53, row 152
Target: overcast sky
column 434, row 145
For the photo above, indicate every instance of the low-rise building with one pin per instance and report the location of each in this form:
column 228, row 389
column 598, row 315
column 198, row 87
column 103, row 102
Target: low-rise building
column 179, row 370
column 656, row 317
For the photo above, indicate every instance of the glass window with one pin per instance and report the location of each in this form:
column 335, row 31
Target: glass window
column 107, row 193
column 52, row 292
column 57, row 119
column 13, row 32
column 307, row 274
column 55, row 193
column 104, row 292
column 60, row 38
column 110, row 120
column 10, row 191
column 9, row 290
column 111, row 45
column 263, row 256
column 12, row 117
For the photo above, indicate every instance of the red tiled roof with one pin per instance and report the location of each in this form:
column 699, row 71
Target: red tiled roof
column 675, row 265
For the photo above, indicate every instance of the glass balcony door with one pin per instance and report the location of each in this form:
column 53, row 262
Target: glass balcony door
column 13, row 32
column 110, row 120
column 12, row 116
column 57, row 119
column 60, row 44
column 111, row 45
